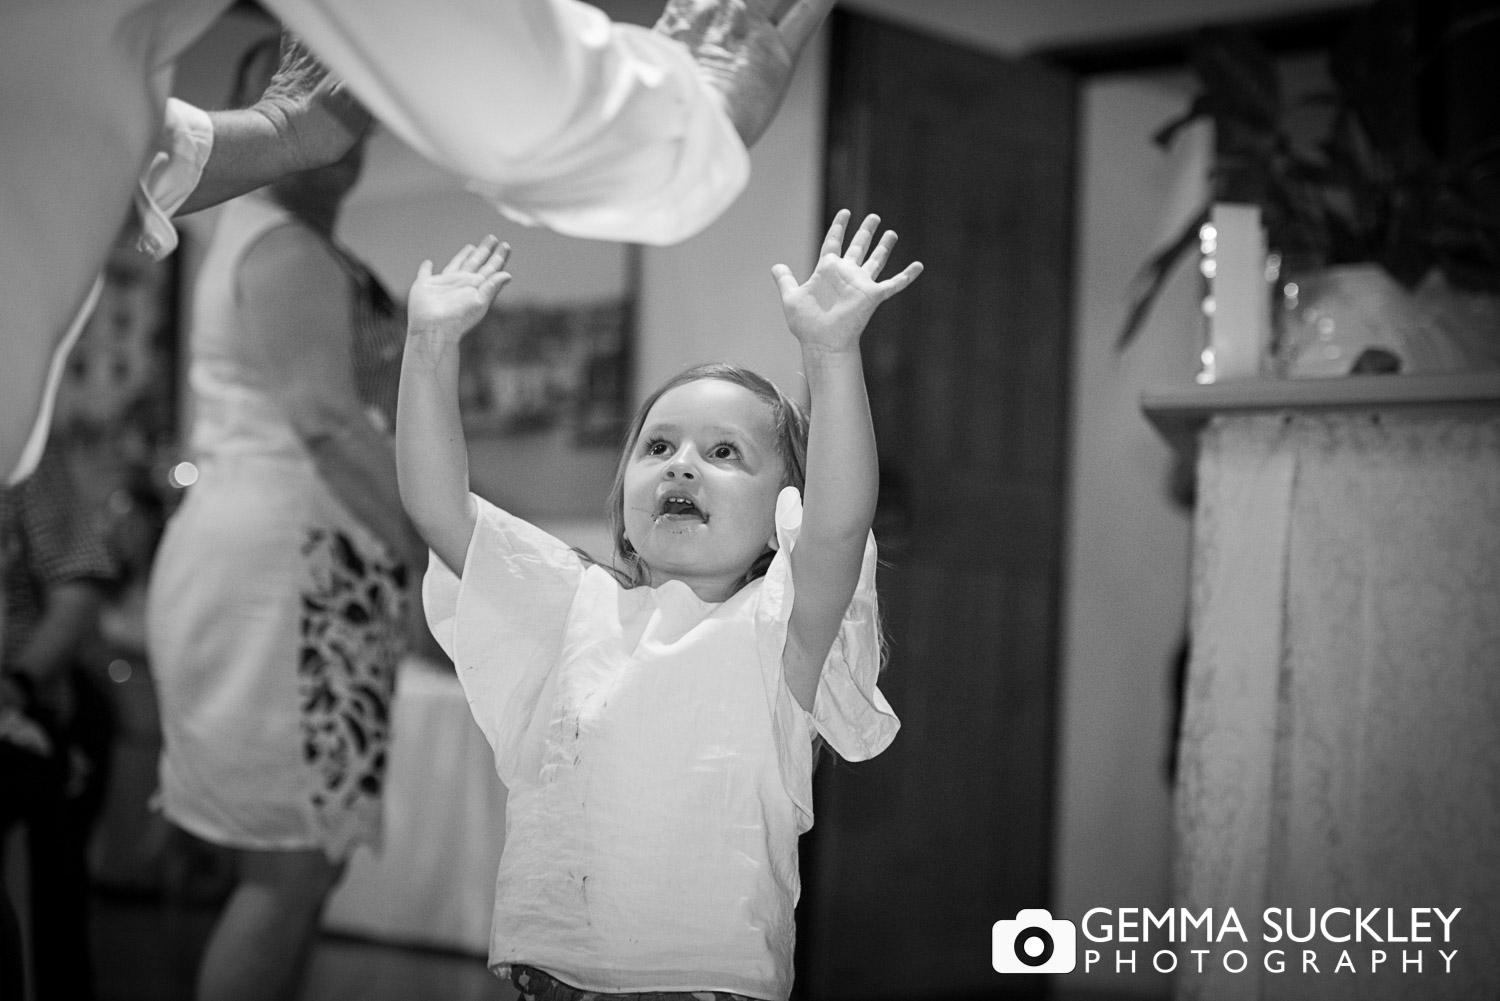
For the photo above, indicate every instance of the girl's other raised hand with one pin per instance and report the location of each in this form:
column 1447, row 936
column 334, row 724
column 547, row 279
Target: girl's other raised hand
column 828, row 312
column 446, row 305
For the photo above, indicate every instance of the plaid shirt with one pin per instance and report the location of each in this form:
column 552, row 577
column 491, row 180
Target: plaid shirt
column 47, row 537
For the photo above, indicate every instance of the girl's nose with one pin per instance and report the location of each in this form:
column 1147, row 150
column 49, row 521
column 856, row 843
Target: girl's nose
column 680, row 466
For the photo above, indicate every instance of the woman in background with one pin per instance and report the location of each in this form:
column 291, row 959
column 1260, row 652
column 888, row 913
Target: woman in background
column 277, row 601
column 56, row 567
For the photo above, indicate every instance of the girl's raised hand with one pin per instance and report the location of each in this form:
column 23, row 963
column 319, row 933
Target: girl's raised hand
column 446, row 305
column 829, row 311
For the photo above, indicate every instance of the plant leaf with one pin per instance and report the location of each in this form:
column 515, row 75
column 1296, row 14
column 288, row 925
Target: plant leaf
column 1238, row 76
column 1375, row 65
column 1153, row 275
column 1200, row 108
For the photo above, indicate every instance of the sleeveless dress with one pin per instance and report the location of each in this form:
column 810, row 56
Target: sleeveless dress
column 274, row 619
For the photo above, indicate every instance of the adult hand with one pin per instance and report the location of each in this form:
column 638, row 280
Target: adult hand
column 311, row 108
column 745, row 50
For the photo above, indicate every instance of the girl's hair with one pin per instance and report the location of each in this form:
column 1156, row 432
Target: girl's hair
column 789, row 421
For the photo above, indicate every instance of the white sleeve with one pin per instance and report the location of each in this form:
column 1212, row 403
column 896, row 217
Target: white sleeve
column 559, row 116
column 849, row 710
column 186, row 140
column 502, row 623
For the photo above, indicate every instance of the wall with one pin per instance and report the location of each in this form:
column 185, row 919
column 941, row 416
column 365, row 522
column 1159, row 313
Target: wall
column 1126, row 600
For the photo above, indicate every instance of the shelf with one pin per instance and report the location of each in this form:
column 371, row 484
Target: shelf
column 1179, row 412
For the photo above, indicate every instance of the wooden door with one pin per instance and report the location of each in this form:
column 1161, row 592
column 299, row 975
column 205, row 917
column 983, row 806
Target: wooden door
column 916, row 853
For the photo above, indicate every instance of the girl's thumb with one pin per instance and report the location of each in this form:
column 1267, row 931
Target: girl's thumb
column 425, row 270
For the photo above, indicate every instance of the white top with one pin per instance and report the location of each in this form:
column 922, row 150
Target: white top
column 659, row 769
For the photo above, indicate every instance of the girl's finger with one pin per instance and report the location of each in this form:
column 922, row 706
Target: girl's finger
column 880, row 254
column 895, row 284
column 481, row 253
column 833, row 240
column 494, row 283
column 786, row 282
column 424, row 270
column 862, row 237
column 458, row 258
column 495, row 262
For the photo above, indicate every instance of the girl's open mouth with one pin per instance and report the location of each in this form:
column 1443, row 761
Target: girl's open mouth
column 678, row 507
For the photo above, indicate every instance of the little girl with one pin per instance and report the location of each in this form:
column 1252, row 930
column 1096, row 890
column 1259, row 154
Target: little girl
column 654, row 721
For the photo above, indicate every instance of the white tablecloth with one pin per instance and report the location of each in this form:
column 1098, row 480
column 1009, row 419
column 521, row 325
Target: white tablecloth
column 433, row 882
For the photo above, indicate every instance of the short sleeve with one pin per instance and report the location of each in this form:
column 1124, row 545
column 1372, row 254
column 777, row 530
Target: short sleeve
column 186, row 140
column 502, row 623
column 849, row 711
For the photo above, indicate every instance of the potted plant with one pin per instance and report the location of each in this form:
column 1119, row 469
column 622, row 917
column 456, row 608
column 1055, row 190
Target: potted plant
column 1376, row 209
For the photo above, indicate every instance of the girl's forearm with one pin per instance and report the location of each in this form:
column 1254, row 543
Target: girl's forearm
column 432, row 460
column 842, row 468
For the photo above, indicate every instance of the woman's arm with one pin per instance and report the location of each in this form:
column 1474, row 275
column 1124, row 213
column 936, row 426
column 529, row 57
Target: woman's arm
column 295, row 300
column 432, row 459
column 827, row 314
column 307, row 118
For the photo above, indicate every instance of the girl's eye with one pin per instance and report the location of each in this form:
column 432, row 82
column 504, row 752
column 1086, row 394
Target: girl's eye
column 657, row 447
column 723, row 452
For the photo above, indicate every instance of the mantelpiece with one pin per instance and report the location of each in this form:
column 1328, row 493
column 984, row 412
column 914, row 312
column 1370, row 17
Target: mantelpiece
column 1181, row 412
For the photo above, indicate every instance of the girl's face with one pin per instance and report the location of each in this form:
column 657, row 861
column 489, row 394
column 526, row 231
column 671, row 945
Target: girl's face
column 701, row 486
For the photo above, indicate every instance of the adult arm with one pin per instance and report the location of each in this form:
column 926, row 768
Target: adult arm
column 293, row 295
column 563, row 118
column 306, row 118
column 746, row 50
column 559, row 115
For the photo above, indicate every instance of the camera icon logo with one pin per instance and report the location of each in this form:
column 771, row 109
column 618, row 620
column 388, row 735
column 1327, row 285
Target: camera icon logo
column 1034, row 942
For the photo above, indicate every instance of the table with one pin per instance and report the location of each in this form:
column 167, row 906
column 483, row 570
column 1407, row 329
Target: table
column 433, row 881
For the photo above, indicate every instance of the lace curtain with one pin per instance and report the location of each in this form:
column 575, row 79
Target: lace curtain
column 1341, row 740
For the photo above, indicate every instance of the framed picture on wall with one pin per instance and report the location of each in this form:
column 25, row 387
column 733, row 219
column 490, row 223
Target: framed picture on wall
column 538, row 366
column 546, row 379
